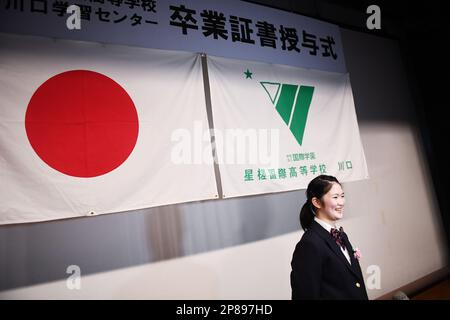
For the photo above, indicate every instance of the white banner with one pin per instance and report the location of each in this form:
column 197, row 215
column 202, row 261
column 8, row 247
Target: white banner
column 88, row 129
column 278, row 127
column 232, row 28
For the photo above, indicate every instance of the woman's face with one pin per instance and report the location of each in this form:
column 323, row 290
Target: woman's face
column 332, row 204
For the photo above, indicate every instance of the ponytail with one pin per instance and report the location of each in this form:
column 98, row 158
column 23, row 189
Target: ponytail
column 306, row 215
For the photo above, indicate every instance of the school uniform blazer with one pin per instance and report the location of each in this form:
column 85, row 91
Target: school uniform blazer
column 321, row 271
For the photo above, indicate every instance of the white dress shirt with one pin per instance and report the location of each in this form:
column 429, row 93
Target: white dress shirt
column 328, row 227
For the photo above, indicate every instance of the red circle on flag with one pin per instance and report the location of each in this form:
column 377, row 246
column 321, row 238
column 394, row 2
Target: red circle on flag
column 82, row 123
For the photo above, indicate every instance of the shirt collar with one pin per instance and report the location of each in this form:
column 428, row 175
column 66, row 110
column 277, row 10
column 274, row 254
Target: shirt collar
column 324, row 224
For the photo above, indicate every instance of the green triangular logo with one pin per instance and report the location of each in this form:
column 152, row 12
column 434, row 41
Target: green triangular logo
column 292, row 104
column 272, row 89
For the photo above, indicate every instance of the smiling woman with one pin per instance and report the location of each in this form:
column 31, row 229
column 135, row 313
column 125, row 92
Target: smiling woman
column 323, row 263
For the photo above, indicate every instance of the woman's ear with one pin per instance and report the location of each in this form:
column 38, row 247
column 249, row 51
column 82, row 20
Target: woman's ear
column 316, row 203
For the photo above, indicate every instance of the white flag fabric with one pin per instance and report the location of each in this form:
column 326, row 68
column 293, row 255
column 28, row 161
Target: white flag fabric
column 87, row 129
column 278, row 127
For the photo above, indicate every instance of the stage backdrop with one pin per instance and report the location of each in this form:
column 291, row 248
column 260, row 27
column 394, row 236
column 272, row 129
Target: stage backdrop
column 277, row 127
column 89, row 129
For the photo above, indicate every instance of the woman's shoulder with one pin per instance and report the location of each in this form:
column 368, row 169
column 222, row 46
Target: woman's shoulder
column 310, row 244
column 309, row 238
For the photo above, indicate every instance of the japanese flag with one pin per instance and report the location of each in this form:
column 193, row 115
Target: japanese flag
column 88, row 129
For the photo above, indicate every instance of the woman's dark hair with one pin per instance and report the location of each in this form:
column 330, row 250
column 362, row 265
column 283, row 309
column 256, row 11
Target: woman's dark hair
column 317, row 187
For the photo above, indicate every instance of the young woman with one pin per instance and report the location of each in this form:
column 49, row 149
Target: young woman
column 324, row 264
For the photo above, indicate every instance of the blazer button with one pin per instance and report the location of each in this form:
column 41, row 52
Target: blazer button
column 358, row 285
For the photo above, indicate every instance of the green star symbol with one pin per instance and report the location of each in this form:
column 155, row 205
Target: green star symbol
column 248, row 74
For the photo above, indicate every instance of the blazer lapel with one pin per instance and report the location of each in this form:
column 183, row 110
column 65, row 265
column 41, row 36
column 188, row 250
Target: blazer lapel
column 355, row 262
column 334, row 247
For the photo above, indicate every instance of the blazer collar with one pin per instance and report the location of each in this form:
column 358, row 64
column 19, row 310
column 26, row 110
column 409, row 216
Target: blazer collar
column 326, row 236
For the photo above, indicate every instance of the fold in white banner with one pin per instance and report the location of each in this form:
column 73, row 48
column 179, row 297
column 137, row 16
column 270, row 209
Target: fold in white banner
column 88, row 129
column 278, row 127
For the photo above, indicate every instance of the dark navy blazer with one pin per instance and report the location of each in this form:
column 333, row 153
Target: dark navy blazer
column 321, row 271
